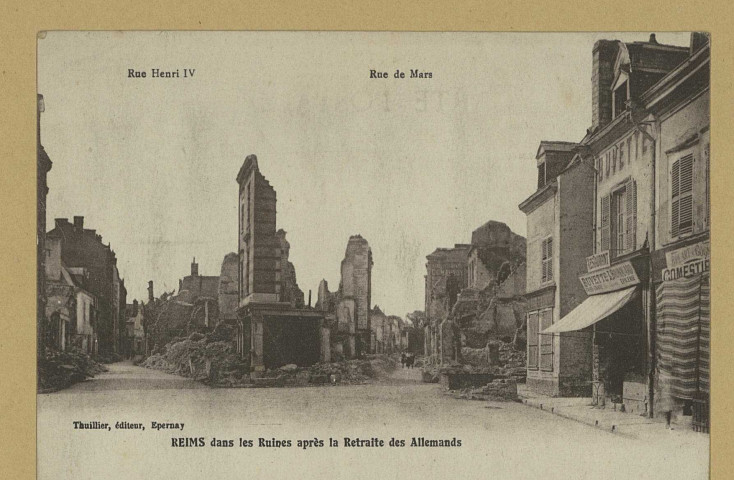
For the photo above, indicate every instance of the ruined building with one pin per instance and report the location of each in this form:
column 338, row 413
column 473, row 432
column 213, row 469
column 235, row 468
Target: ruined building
column 227, row 289
column 289, row 291
column 495, row 252
column 349, row 307
column 82, row 248
column 275, row 328
column 486, row 304
column 43, row 165
column 201, row 292
column 446, row 275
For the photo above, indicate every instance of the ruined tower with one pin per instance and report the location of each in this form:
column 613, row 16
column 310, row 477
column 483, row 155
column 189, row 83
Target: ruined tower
column 356, row 293
column 259, row 247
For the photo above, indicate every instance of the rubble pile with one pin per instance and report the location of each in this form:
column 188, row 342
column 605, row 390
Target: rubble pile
column 498, row 390
column 346, row 372
column 58, row 370
column 508, row 360
column 210, row 357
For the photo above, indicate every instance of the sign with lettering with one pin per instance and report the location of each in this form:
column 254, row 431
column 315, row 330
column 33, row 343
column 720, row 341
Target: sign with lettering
column 610, row 279
column 597, row 261
column 687, row 261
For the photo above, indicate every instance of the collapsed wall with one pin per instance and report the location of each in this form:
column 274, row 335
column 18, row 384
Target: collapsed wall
column 488, row 314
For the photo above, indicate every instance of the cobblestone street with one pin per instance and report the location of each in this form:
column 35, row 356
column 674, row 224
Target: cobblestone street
column 499, row 439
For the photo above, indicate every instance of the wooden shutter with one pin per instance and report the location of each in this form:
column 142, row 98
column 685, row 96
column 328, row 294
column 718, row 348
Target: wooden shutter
column 546, row 340
column 631, row 216
column 605, row 230
column 707, row 166
column 547, row 260
column 682, row 196
column 533, row 340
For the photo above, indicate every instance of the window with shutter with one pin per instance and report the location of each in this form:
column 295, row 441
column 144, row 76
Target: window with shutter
column 546, row 340
column 621, row 156
column 681, row 201
column 619, row 225
column 533, row 340
column 547, row 260
column 605, row 230
column 631, row 193
column 707, row 166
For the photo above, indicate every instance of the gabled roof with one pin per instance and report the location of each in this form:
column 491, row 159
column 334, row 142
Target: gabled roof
column 554, row 146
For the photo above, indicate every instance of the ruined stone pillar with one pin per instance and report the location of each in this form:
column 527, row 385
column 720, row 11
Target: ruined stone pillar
column 257, row 361
column 325, row 344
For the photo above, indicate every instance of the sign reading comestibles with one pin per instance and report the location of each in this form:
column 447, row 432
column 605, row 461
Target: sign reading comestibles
column 687, row 261
column 609, row 279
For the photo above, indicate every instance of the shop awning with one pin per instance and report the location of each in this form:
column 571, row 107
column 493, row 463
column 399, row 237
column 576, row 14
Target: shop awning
column 592, row 310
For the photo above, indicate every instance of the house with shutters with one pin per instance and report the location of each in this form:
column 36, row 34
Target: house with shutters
column 559, row 237
column 649, row 146
column 678, row 108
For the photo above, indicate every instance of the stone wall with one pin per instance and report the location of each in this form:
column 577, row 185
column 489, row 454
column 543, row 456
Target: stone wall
column 227, row 288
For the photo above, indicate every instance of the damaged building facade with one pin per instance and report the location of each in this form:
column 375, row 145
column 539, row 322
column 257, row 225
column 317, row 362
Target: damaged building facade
column 475, row 295
column 83, row 255
column 356, row 327
column 348, row 309
column 201, row 293
column 446, row 275
column 71, row 308
column 274, row 327
column 648, row 233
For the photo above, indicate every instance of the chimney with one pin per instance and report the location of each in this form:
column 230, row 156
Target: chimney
column 602, row 75
column 60, row 221
column 309, row 298
column 150, row 291
column 79, row 223
column 194, row 268
column 135, row 308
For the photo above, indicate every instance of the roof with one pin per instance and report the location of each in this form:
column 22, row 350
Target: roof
column 458, row 253
column 555, row 146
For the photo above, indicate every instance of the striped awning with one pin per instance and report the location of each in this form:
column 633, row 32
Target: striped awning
column 592, row 310
column 683, row 334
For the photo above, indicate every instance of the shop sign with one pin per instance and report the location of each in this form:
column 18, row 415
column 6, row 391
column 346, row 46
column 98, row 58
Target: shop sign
column 610, row 279
column 597, row 261
column 687, row 261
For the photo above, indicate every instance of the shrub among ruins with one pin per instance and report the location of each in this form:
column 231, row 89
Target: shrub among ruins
column 61, row 369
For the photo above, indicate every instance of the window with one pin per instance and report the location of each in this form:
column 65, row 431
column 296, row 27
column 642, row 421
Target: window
column 681, row 201
column 541, row 175
column 619, row 220
column 547, row 260
column 621, row 156
column 707, row 166
column 546, row 340
column 540, row 345
column 620, row 99
column 533, row 340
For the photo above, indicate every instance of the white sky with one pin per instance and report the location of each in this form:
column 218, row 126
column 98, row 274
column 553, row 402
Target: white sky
column 410, row 164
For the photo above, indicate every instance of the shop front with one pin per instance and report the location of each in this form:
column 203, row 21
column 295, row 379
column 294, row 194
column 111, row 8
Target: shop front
column 614, row 318
column 682, row 285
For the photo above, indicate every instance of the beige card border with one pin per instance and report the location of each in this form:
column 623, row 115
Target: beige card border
column 23, row 19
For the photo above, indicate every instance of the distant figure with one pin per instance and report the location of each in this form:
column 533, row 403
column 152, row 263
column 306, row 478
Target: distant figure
column 410, row 360
column 403, row 360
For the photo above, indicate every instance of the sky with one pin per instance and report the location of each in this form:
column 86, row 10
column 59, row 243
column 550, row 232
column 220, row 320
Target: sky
column 411, row 164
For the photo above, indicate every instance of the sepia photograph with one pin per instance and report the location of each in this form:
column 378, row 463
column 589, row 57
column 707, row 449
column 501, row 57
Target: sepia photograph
column 275, row 254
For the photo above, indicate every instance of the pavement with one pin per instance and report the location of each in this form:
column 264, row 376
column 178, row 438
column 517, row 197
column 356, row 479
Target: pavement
column 499, row 439
column 581, row 409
